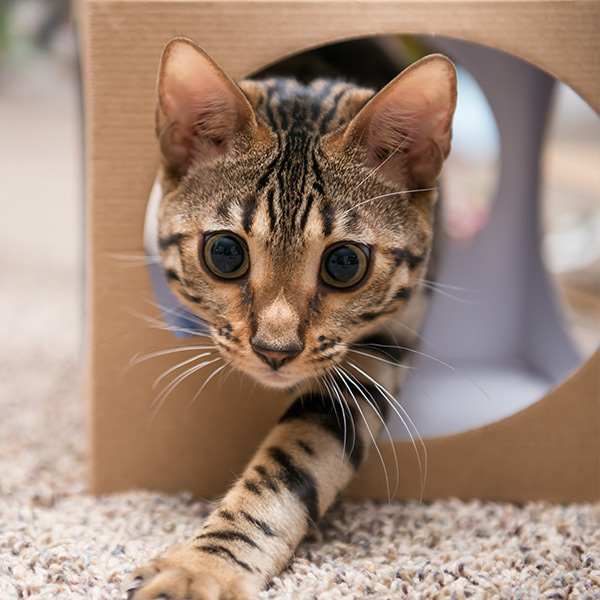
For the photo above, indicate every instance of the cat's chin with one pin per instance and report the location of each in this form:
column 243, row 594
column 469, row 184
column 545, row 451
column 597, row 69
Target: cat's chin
column 277, row 380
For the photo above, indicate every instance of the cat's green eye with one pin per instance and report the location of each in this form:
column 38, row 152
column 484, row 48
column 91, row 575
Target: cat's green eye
column 226, row 255
column 344, row 265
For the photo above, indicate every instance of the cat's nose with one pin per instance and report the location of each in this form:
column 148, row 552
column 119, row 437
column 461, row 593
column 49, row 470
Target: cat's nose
column 276, row 357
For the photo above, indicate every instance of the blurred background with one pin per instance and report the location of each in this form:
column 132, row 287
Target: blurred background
column 42, row 200
column 41, row 186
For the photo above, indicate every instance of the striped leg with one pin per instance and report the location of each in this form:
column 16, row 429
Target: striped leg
column 292, row 480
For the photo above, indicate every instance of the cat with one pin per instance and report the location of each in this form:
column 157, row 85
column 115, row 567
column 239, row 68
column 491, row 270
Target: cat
column 297, row 220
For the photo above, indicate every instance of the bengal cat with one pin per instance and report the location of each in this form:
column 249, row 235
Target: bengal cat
column 297, row 221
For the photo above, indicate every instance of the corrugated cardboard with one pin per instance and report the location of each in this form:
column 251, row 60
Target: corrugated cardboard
column 550, row 450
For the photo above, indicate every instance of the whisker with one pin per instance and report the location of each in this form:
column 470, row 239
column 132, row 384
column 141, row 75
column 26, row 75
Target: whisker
column 138, row 358
column 352, row 345
column 155, row 323
column 433, row 358
column 330, row 393
column 185, row 314
column 179, row 378
column 160, row 399
column 319, row 383
column 136, row 330
column 396, row 401
column 363, row 390
column 333, row 396
column 179, row 365
column 446, row 294
column 395, row 405
column 410, row 330
column 179, row 311
column 334, row 403
column 374, row 171
column 133, row 260
column 399, row 193
column 379, row 358
column 343, row 379
column 223, row 379
column 219, row 369
column 448, row 286
column 357, row 404
column 343, row 406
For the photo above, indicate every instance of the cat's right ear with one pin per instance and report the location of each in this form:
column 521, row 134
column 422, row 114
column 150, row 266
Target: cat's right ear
column 405, row 129
column 200, row 108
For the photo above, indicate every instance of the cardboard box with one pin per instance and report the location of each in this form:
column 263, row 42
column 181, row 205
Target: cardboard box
column 549, row 450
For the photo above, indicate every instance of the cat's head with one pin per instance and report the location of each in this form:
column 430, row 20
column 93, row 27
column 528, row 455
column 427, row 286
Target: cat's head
column 296, row 219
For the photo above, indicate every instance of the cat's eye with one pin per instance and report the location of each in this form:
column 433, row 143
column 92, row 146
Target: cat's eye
column 344, row 265
column 226, row 255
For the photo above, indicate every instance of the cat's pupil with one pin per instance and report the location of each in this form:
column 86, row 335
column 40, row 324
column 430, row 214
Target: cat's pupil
column 342, row 264
column 226, row 254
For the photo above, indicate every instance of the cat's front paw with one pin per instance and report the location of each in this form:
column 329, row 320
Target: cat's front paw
column 182, row 576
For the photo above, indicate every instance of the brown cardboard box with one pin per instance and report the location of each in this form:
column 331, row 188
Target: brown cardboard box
column 550, row 450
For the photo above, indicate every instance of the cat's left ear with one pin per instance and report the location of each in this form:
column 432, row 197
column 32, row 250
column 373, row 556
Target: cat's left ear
column 200, row 108
column 405, row 129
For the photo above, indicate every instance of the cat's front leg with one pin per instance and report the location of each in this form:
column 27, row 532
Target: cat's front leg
column 292, row 480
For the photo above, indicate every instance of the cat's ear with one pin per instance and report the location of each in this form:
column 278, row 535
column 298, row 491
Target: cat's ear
column 200, row 109
column 405, row 129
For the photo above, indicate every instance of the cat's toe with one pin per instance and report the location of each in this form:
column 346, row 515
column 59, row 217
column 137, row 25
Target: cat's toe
column 162, row 580
column 139, row 578
column 170, row 584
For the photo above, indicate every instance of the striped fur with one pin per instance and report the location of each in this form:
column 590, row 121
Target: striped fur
column 292, row 170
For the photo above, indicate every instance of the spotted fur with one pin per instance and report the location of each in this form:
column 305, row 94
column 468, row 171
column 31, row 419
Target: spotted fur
column 292, row 170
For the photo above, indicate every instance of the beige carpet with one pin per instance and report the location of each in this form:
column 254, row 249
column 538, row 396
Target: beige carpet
column 56, row 541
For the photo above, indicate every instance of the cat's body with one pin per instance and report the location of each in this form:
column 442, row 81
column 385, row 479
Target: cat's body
column 296, row 220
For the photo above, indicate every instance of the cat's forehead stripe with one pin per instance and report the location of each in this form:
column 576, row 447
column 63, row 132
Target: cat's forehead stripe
column 316, row 108
column 171, row 240
column 304, row 216
column 248, row 213
column 327, row 217
column 298, row 115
